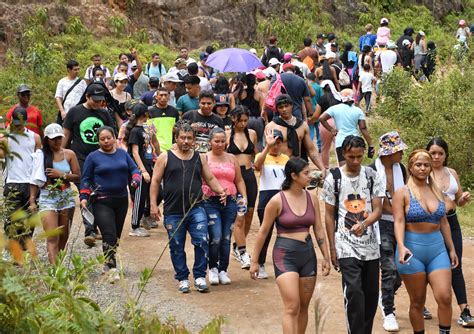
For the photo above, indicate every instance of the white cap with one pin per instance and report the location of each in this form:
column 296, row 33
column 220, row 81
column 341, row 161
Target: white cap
column 170, row 77
column 405, row 42
column 273, row 62
column 120, row 76
column 330, row 55
column 384, row 20
column 134, row 63
column 422, row 33
column 53, row 130
column 252, row 50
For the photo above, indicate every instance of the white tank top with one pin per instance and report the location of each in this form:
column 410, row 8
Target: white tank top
column 19, row 170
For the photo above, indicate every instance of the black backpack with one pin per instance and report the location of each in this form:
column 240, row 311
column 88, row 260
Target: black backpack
column 272, row 52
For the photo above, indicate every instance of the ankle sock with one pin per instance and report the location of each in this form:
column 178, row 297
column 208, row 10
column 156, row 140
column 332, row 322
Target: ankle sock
column 234, row 245
column 444, row 329
column 242, row 249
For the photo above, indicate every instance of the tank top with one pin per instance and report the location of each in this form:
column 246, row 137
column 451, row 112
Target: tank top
column 182, row 184
column 234, row 149
column 224, row 172
column 62, row 166
column 288, row 222
column 417, row 214
column 18, row 169
column 251, row 104
column 452, row 188
column 417, row 50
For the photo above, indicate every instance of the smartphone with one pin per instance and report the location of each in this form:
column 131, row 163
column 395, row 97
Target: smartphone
column 408, row 257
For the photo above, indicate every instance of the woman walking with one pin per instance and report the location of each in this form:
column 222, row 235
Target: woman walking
column 106, row 174
column 221, row 216
column 295, row 211
column 53, row 172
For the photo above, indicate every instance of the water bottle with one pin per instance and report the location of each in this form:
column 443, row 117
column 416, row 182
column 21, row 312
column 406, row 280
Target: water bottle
column 241, row 207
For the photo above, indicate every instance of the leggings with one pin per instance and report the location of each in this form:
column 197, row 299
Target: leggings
column 264, row 197
column 457, row 281
column 367, row 97
column 109, row 215
column 251, row 185
column 140, row 197
column 327, row 138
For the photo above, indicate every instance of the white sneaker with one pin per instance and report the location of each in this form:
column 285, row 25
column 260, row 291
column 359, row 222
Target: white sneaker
column 201, row 285
column 224, row 278
column 138, row 232
column 236, row 253
column 213, row 276
column 245, row 260
column 262, row 274
column 114, row 275
column 184, row 286
column 390, row 323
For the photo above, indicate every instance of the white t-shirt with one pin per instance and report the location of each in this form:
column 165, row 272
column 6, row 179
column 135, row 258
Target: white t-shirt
column 204, row 84
column 366, row 79
column 355, row 205
column 388, row 58
column 272, row 173
column 18, row 168
column 74, row 96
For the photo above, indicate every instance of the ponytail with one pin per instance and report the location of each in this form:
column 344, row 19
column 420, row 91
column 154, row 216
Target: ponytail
column 132, row 121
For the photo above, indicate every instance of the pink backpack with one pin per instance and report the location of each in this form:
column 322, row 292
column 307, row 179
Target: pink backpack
column 276, row 89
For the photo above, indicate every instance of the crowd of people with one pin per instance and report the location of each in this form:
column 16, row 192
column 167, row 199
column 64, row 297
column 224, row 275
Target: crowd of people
column 186, row 145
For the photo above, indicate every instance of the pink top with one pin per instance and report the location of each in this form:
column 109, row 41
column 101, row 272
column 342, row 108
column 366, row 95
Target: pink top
column 383, row 35
column 225, row 174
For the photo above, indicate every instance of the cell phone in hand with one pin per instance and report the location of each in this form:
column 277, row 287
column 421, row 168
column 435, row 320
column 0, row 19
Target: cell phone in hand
column 407, row 257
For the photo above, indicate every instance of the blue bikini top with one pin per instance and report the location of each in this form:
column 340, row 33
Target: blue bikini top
column 417, row 214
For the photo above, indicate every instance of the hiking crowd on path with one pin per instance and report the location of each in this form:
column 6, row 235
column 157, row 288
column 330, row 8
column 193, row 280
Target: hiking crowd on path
column 187, row 145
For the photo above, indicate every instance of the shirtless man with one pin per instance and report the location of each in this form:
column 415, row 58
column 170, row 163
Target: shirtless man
column 295, row 132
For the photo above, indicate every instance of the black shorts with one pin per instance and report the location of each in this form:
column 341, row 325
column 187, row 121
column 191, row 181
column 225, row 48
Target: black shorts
column 339, row 155
column 251, row 185
column 291, row 255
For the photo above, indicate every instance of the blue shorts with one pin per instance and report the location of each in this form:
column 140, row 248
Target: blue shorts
column 429, row 253
column 56, row 200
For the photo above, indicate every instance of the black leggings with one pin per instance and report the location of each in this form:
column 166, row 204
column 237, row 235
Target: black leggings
column 264, row 197
column 457, row 281
column 251, row 185
column 109, row 215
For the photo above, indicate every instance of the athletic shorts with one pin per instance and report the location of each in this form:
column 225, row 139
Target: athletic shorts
column 250, row 185
column 56, row 200
column 429, row 253
column 291, row 255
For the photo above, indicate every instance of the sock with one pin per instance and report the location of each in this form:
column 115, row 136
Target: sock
column 419, row 332
column 242, row 249
column 444, row 329
column 234, row 245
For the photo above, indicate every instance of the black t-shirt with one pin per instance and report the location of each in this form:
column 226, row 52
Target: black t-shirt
column 204, row 125
column 169, row 111
column 83, row 124
column 140, row 135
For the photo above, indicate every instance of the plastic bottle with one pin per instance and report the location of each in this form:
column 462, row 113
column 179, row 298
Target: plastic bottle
column 241, row 208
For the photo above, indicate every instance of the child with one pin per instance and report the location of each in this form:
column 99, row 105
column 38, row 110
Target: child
column 366, row 79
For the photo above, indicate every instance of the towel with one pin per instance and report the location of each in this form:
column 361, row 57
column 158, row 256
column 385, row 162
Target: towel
column 334, row 91
column 397, row 174
column 38, row 177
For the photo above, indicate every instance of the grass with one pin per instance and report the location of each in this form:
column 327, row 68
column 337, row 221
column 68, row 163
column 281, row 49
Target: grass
column 466, row 219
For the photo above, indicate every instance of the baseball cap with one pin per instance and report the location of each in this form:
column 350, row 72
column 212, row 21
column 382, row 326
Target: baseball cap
column 23, row 88
column 277, row 134
column 273, row 62
column 422, row 33
column 139, row 109
column 120, row 76
column 154, row 80
column 321, row 36
column 406, row 42
column 288, row 66
column 203, row 56
column 53, row 130
column 172, row 77
column 391, row 45
column 222, row 100
column 283, row 99
column 260, row 75
column 180, row 61
column 462, row 22
column 96, row 92
column 287, row 56
column 384, row 20
column 252, row 50
column 19, row 115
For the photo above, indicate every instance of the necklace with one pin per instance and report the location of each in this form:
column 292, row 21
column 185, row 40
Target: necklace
column 354, row 180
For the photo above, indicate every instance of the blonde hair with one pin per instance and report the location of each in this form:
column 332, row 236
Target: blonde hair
column 431, row 182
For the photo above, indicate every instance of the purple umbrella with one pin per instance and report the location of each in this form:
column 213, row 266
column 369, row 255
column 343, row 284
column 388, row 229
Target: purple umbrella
column 233, row 60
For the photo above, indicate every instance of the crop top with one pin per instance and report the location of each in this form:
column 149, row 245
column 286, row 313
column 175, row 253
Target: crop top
column 453, row 187
column 417, row 214
column 288, row 222
column 235, row 150
column 224, row 172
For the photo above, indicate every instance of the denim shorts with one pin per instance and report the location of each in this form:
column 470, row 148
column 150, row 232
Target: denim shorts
column 56, row 200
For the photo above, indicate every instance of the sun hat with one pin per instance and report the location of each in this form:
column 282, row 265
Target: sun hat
column 53, row 130
column 391, row 143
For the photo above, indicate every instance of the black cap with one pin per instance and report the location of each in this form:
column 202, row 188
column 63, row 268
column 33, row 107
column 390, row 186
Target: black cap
column 331, row 36
column 96, row 92
column 19, row 115
column 154, row 80
column 23, row 88
column 192, row 79
column 277, row 134
column 222, row 100
column 321, row 36
column 282, row 99
column 139, row 109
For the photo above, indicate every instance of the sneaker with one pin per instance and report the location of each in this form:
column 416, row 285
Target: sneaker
column 390, row 323
column 224, row 278
column 236, row 253
column 213, row 276
column 114, row 275
column 138, row 232
column 6, row 256
column 245, row 260
column 427, row 314
column 145, row 222
column 184, row 286
column 262, row 274
column 154, row 224
column 465, row 319
column 201, row 285
column 90, row 240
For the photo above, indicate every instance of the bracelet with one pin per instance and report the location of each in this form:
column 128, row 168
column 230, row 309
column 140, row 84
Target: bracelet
column 363, row 225
column 64, row 177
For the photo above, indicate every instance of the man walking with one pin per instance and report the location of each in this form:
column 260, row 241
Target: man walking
column 34, row 122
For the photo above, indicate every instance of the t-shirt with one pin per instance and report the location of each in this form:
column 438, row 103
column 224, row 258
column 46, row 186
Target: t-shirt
column 347, row 119
column 388, row 58
column 204, row 84
column 204, row 125
column 186, row 103
column 34, row 120
column 163, row 121
column 355, row 205
column 272, row 173
column 321, row 49
column 141, row 86
column 366, row 79
column 83, row 124
column 88, row 75
column 147, row 97
column 318, row 93
column 74, row 96
column 141, row 136
column 295, row 87
column 155, row 71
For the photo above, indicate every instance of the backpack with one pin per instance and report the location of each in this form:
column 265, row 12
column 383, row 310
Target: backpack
column 148, row 69
column 276, row 89
column 365, row 40
column 272, row 52
column 336, row 174
column 344, row 78
column 309, row 62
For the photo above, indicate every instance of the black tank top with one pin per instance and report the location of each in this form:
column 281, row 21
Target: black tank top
column 182, row 183
column 234, row 149
column 251, row 103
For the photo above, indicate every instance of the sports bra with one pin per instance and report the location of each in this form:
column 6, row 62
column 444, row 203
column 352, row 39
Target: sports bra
column 62, row 166
column 235, row 150
column 452, row 188
column 417, row 214
column 288, row 222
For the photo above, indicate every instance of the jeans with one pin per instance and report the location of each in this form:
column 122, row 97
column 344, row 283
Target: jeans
column 109, row 216
column 221, row 220
column 17, row 197
column 457, row 281
column 391, row 280
column 314, row 132
column 194, row 222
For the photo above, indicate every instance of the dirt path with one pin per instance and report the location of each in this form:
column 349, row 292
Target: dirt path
column 253, row 306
